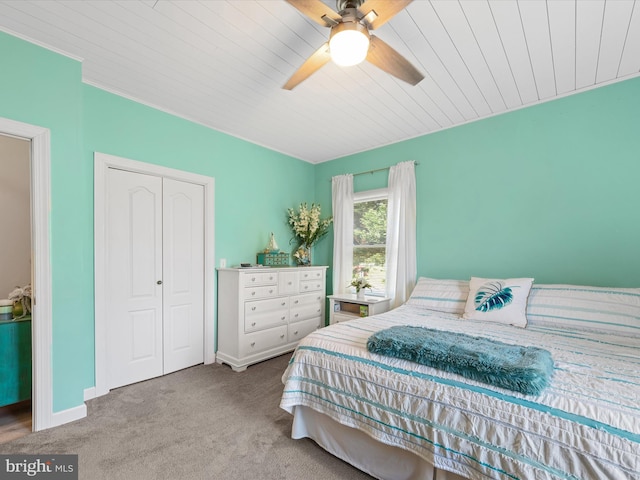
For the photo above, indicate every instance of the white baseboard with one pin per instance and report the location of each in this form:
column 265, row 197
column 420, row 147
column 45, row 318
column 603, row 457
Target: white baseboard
column 89, row 393
column 69, row 415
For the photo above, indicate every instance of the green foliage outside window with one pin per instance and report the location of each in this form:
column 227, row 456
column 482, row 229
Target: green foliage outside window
column 369, row 238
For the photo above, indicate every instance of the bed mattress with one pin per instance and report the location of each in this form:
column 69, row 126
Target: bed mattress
column 584, row 425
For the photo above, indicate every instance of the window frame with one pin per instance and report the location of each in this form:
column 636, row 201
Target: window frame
column 370, row 196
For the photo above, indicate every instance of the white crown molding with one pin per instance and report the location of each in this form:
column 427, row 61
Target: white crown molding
column 41, row 44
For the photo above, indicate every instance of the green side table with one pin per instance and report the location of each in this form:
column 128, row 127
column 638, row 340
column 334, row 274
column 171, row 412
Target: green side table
column 15, row 360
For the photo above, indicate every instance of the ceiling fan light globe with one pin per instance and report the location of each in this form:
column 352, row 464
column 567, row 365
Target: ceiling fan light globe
column 349, row 44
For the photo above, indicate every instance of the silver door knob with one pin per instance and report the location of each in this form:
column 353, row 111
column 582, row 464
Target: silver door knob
column 159, row 282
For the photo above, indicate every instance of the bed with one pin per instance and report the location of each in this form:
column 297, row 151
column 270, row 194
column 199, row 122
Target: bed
column 397, row 419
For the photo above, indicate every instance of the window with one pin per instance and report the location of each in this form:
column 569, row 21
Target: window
column 370, row 238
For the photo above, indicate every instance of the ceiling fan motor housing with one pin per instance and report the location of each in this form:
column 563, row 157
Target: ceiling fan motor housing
column 344, row 4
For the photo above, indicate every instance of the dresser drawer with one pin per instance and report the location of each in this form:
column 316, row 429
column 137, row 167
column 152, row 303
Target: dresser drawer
column 313, row 274
column 308, row 299
column 253, row 343
column 263, row 314
column 311, row 286
column 305, row 312
column 253, row 293
column 298, row 331
column 304, row 307
column 259, row 278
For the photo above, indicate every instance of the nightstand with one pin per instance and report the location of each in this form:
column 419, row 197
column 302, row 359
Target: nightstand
column 348, row 306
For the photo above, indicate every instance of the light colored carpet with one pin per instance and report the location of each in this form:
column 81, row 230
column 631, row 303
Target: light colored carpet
column 205, row 422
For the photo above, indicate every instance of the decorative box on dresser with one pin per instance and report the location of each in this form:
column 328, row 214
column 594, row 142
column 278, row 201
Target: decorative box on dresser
column 263, row 312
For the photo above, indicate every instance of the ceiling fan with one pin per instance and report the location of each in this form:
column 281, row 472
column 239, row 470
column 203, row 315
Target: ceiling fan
column 350, row 41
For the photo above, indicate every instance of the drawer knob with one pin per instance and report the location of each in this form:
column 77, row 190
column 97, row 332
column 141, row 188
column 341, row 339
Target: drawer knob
column 290, row 283
column 253, row 324
column 296, row 315
column 306, row 287
column 253, row 308
column 253, row 293
column 296, row 302
column 253, row 279
column 318, row 310
column 283, row 303
column 282, row 318
column 253, row 344
column 282, row 336
column 296, row 332
column 271, row 291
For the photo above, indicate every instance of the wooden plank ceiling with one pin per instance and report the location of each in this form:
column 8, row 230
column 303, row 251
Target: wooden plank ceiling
column 222, row 63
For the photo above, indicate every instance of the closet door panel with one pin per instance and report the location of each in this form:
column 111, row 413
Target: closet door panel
column 134, row 298
column 183, row 266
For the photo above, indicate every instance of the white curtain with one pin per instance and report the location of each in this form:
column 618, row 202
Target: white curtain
column 342, row 205
column 401, row 233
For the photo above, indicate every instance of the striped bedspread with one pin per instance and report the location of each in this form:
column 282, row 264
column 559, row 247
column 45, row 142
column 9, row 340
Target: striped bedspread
column 585, row 424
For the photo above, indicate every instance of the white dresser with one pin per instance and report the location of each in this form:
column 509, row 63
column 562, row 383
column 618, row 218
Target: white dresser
column 264, row 312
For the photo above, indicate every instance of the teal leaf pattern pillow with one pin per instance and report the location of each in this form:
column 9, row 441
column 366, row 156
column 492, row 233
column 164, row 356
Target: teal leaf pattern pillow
column 493, row 296
column 498, row 300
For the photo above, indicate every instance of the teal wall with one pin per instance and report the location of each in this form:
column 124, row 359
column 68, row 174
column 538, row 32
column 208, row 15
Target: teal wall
column 550, row 191
column 253, row 186
column 43, row 88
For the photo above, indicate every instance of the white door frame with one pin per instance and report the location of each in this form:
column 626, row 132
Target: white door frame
column 41, row 325
column 102, row 162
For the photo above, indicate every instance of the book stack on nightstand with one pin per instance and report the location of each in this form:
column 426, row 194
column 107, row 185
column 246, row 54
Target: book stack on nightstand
column 348, row 306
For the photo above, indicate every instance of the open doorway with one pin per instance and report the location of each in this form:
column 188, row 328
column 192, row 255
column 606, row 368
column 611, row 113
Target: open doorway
column 41, row 308
column 15, row 288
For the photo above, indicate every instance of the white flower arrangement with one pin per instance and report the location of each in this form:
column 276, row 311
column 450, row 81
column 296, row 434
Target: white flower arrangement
column 22, row 295
column 307, row 225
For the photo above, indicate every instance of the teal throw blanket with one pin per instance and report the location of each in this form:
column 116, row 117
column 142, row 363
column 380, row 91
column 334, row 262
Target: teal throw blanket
column 522, row 369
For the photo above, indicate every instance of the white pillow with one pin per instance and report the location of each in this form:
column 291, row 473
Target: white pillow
column 500, row 301
column 575, row 307
column 448, row 296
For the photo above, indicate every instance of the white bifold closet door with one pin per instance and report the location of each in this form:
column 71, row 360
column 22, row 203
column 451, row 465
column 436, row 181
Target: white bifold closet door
column 155, row 276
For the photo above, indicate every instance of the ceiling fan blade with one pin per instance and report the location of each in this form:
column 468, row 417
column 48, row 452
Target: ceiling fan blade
column 383, row 11
column 317, row 11
column 383, row 56
column 311, row 65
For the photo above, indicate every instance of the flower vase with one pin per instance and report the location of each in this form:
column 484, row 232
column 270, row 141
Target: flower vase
column 303, row 256
column 18, row 309
column 360, row 294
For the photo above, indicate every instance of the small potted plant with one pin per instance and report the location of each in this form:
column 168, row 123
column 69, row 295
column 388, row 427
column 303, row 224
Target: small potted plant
column 21, row 298
column 360, row 283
